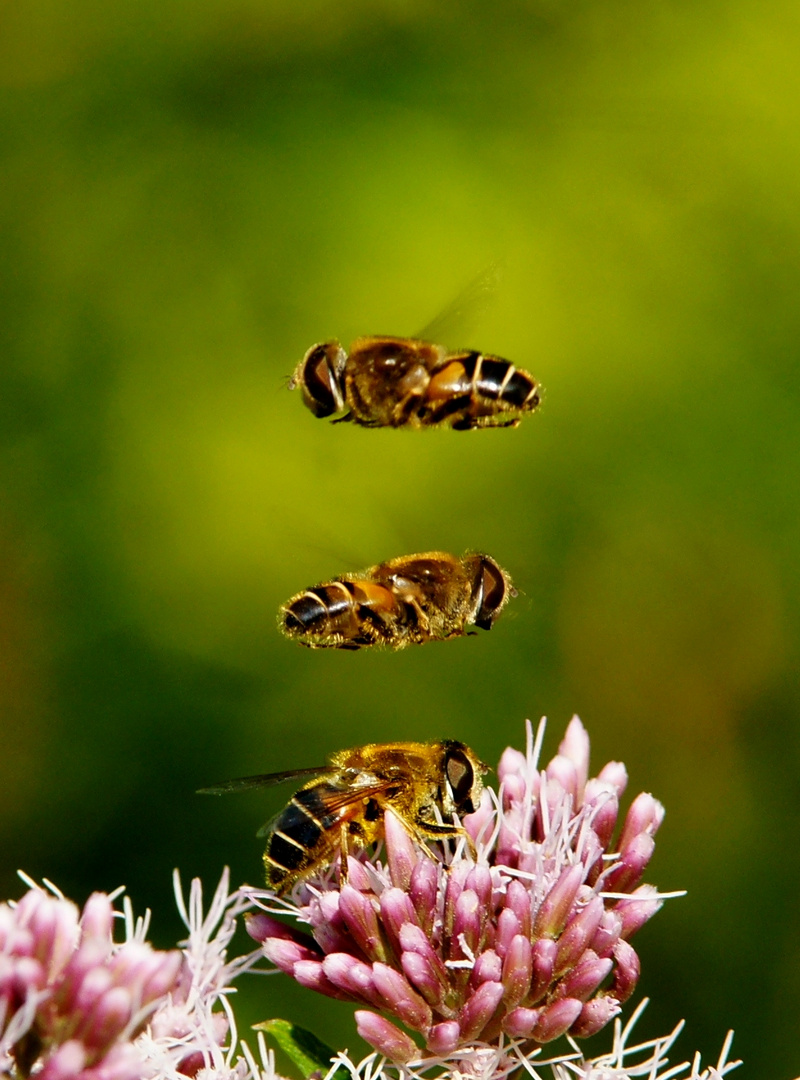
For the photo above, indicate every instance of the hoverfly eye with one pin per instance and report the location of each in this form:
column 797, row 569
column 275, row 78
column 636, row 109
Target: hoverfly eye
column 318, row 380
column 491, row 588
column 461, row 778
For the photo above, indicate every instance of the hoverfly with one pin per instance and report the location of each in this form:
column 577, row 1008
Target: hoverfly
column 343, row 807
column 409, row 600
column 386, row 381
column 406, row 382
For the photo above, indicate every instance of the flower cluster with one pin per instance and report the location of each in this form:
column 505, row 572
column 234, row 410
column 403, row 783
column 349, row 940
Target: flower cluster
column 625, row 1061
column 76, row 1005
column 527, row 942
column 519, row 933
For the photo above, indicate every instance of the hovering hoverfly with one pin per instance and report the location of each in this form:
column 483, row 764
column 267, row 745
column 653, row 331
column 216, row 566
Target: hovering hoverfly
column 405, row 601
column 387, row 381
column 343, row 807
column 406, row 382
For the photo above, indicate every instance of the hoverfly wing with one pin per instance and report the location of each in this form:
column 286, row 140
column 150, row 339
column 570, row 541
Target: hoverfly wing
column 456, row 322
column 250, row 783
column 334, row 800
column 269, row 827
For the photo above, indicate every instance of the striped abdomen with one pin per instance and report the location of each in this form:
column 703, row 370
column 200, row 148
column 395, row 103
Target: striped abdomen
column 340, row 615
column 472, row 390
column 306, row 834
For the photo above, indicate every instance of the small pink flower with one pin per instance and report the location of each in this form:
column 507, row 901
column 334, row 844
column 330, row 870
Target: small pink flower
column 69, row 996
column 523, row 946
column 76, row 1005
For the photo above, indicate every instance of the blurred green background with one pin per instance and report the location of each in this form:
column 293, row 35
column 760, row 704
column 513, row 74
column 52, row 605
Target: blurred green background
column 192, row 195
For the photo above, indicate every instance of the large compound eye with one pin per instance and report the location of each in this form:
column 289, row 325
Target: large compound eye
column 461, row 777
column 317, row 376
column 491, row 589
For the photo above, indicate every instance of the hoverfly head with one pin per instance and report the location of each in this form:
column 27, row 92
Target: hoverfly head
column 491, row 591
column 320, row 375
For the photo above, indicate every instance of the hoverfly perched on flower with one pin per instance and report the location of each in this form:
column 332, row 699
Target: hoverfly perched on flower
column 343, row 807
column 386, row 381
column 409, row 600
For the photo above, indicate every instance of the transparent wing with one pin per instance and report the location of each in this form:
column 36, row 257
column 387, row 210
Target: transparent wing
column 248, row 783
column 335, row 802
column 458, row 319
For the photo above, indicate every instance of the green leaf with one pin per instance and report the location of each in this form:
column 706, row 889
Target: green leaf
column 307, row 1052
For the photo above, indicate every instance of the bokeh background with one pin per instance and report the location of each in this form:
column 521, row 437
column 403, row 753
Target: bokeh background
column 192, row 194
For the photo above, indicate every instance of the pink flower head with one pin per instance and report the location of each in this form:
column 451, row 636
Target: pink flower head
column 528, row 942
column 70, row 998
column 76, row 1005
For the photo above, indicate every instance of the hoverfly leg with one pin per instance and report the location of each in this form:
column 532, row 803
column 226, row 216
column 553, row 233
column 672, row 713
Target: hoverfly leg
column 435, row 831
column 405, row 408
column 344, row 854
column 419, row 614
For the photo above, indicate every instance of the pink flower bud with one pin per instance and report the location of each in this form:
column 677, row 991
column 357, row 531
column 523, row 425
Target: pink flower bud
column 562, row 772
column 556, row 1019
column 575, row 747
column 511, row 765
column 628, row 871
column 521, row 1022
column 422, row 892
column 53, row 925
column 508, row 926
column 361, row 919
column 615, row 774
column 97, row 918
column 488, row 968
column 585, row 978
column 385, row 1037
column 467, row 925
column 400, row 851
column 578, row 933
column 645, row 815
column 422, row 964
column 608, row 933
column 543, row 958
column 479, row 1009
column 444, row 1038
column 122, row 1062
column 479, row 880
column 594, row 1015
column 556, row 906
column 95, row 983
column 21, row 977
column 626, row 975
column 309, row 973
column 105, row 1022
column 396, row 911
column 518, row 900
column 327, row 924
column 65, row 1063
column 634, row 913
column 284, row 954
column 352, row 976
column 357, row 875
column 163, row 976
column 423, row 975
column 479, row 825
column 400, row 998
column 517, row 970
column 604, row 803
column 261, row 926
